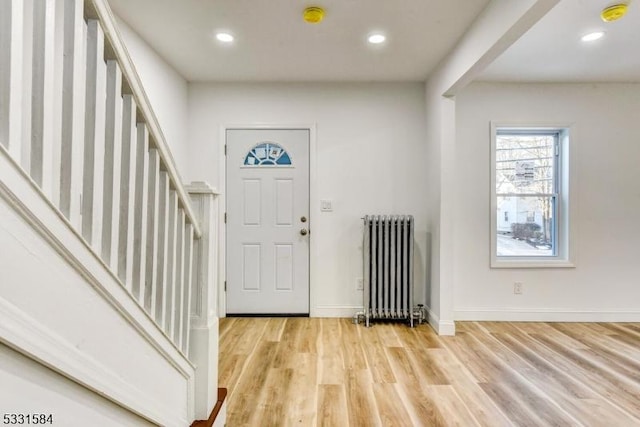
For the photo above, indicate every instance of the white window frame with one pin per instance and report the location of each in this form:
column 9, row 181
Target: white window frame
column 565, row 250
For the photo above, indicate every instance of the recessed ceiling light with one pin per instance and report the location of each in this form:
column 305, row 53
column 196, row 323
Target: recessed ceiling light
column 224, row 37
column 592, row 36
column 376, row 38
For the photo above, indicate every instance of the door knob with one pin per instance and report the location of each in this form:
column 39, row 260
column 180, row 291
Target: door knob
column 304, row 231
column 303, row 219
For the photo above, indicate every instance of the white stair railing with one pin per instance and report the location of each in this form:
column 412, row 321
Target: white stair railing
column 75, row 117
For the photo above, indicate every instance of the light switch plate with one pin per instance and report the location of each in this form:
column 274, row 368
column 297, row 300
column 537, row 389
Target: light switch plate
column 326, row 205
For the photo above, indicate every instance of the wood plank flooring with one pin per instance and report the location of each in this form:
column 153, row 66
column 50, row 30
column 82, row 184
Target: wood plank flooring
column 330, row 372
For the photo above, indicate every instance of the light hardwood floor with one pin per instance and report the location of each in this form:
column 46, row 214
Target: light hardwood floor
column 330, row 372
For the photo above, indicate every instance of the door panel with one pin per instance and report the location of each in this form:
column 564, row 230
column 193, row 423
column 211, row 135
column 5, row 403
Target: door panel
column 252, row 201
column 284, row 202
column 251, row 267
column 284, row 267
column 267, row 196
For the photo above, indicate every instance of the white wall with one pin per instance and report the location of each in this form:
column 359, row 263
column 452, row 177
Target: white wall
column 28, row 387
column 606, row 136
column 432, row 192
column 167, row 92
column 370, row 159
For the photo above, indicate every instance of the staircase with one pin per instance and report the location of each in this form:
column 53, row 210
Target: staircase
column 105, row 256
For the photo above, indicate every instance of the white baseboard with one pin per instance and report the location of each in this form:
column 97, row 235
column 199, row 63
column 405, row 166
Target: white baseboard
column 335, row 310
column 442, row 327
column 544, row 315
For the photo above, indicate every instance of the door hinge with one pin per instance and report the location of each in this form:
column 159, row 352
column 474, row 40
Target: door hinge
column 557, row 149
column 225, row 286
column 225, row 217
column 225, row 149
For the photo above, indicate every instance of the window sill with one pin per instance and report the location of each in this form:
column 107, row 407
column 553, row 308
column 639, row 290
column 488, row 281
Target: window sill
column 531, row 263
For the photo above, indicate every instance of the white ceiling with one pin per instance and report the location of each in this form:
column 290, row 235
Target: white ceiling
column 274, row 44
column 553, row 52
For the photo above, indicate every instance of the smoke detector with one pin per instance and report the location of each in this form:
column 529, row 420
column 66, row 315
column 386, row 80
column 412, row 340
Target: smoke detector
column 614, row 12
column 313, row 15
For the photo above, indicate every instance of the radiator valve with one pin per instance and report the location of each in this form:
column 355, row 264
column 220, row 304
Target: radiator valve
column 420, row 313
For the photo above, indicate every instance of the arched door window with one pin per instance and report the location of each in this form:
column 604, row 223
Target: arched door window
column 267, row 154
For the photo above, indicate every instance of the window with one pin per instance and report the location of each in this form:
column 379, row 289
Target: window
column 530, row 197
column 269, row 154
column 531, row 216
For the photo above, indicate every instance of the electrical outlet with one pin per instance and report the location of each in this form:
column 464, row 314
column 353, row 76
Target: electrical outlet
column 359, row 284
column 517, row 288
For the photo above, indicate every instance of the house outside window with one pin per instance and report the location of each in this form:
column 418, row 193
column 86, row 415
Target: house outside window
column 530, row 197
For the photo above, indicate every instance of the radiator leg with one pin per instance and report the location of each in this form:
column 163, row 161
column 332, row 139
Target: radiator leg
column 358, row 317
column 367, row 322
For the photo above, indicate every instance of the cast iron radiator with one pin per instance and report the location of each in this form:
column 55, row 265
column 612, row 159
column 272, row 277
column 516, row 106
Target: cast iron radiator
column 388, row 268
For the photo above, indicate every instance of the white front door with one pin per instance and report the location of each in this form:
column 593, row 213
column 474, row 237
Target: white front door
column 267, row 221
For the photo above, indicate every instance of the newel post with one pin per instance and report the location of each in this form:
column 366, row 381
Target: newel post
column 203, row 346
